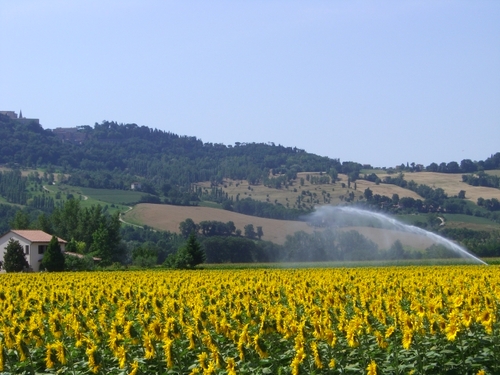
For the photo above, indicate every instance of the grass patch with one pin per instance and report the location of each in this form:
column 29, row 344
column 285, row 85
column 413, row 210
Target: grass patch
column 349, row 264
column 370, row 171
column 124, row 197
column 468, row 219
column 491, row 261
column 130, row 219
column 86, row 201
column 494, row 172
column 412, row 219
column 210, row 204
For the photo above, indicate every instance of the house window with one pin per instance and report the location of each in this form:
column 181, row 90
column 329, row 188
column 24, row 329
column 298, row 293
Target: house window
column 41, row 249
column 27, row 249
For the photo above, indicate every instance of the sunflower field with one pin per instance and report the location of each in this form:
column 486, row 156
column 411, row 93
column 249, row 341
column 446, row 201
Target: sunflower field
column 393, row 320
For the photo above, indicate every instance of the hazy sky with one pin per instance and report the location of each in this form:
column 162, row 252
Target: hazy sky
column 379, row 82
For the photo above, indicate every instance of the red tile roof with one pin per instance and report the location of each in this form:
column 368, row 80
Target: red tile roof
column 35, row 235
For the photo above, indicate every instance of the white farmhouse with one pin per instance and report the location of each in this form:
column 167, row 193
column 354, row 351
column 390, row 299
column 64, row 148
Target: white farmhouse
column 34, row 243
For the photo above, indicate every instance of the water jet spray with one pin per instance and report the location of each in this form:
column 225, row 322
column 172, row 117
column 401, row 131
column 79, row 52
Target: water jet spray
column 338, row 216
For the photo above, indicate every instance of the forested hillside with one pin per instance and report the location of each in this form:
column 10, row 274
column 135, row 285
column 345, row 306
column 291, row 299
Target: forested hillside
column 114, row 156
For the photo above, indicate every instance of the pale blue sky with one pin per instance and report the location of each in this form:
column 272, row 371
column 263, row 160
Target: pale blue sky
column 380, row 82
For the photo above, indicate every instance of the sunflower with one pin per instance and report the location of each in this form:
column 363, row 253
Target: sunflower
column 486, row 319
column 202, row 359
column 50, row 356
column 380, row 340
column 389, row 331
column 260, row 346
column 407, row 338
column 93, row 358
column 60, row 352
column 167, row 349
column 317, row 358
column 332, row 363
column 135, row 368
column 452, row 329
column 231, row 366
column 149, row 349
column 371, row 369
column 121, row 354
column 21, row 347
column 297, row 360
column 2, row 357
column 466, row 318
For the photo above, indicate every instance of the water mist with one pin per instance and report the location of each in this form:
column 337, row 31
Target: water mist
column 341, row 216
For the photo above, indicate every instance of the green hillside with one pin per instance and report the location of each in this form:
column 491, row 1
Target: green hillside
column 42, row 171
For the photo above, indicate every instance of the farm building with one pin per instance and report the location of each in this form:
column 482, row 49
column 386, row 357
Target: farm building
column 135, row 186
column 34, row 243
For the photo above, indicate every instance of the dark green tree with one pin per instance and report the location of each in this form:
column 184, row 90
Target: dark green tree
column 188, row 256
column 101, row 246
column 65, row 220
column 44, row 223
column 14, row 259
column 368, row 194
column 395, row 198
column 21, row 220
column 194, row 249
column 396, row 251
column 249, row 231
column 145, row 255
column 53, row 258
column 260, row 232
column 187, row 227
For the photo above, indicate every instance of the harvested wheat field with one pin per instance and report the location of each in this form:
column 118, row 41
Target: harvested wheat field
column 166, row 217
column 384, row 189
column 288, row 195
column 451, row 184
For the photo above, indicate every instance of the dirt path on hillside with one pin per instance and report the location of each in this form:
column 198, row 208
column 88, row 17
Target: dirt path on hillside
column 126, row 222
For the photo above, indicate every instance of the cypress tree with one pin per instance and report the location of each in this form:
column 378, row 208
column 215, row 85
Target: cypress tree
column 188, row 256
column 53, row 258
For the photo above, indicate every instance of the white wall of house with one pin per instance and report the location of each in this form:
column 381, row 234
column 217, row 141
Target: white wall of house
column 33, row 251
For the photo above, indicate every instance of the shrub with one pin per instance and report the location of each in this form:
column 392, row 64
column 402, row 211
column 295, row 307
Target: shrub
column 75, row 263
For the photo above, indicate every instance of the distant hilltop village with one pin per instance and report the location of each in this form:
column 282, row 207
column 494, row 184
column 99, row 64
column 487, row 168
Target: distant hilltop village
column 65, row 134
column 70, row 134
column 13, row 116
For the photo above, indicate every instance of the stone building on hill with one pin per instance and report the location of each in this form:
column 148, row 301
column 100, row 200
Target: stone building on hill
column 13, row 116
column 70, row 134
